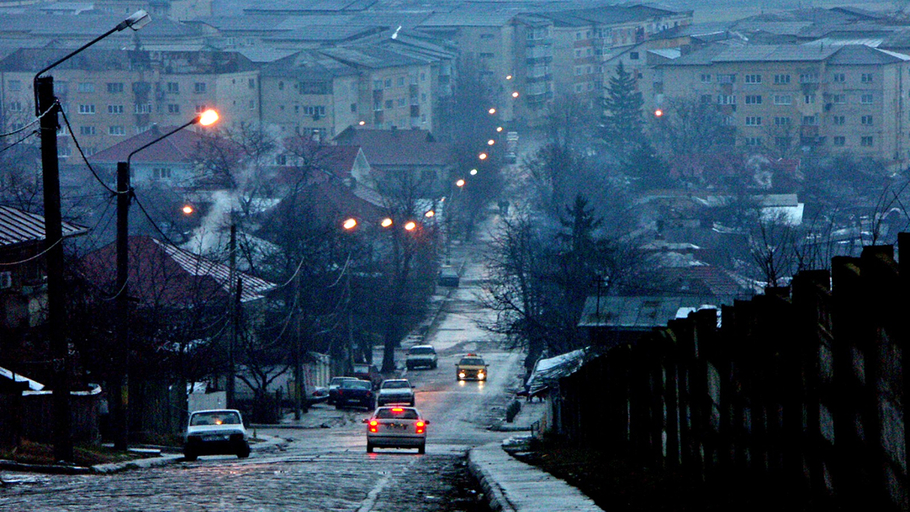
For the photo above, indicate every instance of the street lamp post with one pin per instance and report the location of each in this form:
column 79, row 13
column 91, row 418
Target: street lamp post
column 124, row 197
column 47, row 109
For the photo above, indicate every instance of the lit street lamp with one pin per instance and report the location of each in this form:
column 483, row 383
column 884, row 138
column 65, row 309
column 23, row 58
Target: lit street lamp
column 124, row 195
column 47, row 108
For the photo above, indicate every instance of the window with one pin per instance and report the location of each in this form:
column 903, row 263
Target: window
column 808, row 78
column 116, row 130
column 782, row 121
column 726, row 79
column 172, row 87
column 753, row 99
column 353, row 107
column 401, row 78
column 866, row 78
column 706, row 98
column 726, row 99
column 838, row 78
column 251, row 83
column 753, row 120
column 173, row 108
column 838, row 120
column 114, row 87
column 252, row 105
column 705, row 78
column 15, row 85
column 389, row 104
column 753, row 141
column 633, row 55
column 486, row 36
column 752, row 79
column 839, row 99
column 840, row 140
column 481, row 55
column 578, row 53
column 783, row 99
column 161, row 173
column 388, row 82
column 199, row 87
column 115, row 109
column 86, row 130
column 85, row 87
column 866, row 141
column 86, row 109
column 280, row 86
column 579, row 70
column 142, row 108
column 14, row 106
column 866, row 120
column 809, row 99
column 866, row 99
column 781, row 79
column 377, row 85
column 201, row 108
column 810, row 120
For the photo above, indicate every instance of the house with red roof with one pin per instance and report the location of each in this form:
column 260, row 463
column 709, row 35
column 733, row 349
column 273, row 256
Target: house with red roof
column 415, row 152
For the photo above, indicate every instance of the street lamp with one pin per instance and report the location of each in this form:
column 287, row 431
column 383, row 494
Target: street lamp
column 47, row 108
column 124, row 195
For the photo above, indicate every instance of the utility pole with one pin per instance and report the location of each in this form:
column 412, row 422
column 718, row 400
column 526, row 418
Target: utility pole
column 48, row 108
column 124, row 194
column 232, row 343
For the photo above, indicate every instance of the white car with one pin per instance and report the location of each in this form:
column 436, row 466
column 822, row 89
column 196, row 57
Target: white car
column 395, row 391
column 421, row 355
column 396, row 427
column 216, row 432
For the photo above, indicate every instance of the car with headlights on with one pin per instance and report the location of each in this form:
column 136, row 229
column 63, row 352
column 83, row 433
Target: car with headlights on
column 396, row 427
column 471, row 367
column 215, row 432
column 395, row 391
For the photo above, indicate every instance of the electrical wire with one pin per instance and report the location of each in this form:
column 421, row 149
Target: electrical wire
column 85, row 159
column 152, row 222
column 20, row 141
column 39, row 255
column 23, row 128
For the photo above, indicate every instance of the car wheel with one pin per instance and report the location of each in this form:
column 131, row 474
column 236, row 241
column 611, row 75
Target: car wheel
column 369, row 448
column 422, row 449
column 433, row 366
column 244, row 451
column 412, row 402
column 189, row 456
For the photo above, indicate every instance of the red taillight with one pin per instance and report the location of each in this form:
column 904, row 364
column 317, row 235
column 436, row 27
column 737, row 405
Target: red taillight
column 374, row 426
column 420, row 426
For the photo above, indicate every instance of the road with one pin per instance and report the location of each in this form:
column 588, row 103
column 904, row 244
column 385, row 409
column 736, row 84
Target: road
column 328, row 469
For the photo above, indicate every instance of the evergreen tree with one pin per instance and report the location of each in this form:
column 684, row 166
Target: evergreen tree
column 623, row 126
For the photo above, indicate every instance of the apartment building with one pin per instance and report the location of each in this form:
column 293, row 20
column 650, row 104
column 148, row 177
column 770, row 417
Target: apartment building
column 310, row 94
column 782, row 98
column 108, row 96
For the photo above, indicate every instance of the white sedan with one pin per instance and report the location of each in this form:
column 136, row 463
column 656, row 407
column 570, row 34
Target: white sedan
column 396, row 427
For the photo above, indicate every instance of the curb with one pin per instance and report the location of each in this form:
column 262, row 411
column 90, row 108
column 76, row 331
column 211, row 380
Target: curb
column 493, row 493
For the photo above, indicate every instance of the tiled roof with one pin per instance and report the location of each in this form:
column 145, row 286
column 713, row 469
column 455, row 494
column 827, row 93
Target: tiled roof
column 92, row 59
column 308, row 65
column 326, row 33
column 17, row 226
column 370, row 57
column 640, row 312
column 160, row 273
column 398, row 147
column 178, row 147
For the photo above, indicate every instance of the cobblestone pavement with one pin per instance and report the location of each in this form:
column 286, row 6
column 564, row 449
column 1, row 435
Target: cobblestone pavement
column 328, row 482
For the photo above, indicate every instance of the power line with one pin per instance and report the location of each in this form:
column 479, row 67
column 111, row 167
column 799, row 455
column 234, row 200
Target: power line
column 23, row 128
column 20, row 141
column 84, row 159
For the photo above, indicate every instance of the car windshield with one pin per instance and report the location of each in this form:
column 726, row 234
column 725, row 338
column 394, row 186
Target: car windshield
column 356, row 384
column 215, row 418
column 421, row 351
column 397, row 413
column 395, row 384
column 361, row 368
column 474, row 361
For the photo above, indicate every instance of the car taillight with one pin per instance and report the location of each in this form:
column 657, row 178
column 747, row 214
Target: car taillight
column 421, row 426
column 397, row 409
column 374, row 426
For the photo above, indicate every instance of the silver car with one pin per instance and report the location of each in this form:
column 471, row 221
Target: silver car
column 396, row 427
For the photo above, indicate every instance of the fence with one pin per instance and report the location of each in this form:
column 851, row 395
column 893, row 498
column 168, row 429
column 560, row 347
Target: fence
column 801, row 386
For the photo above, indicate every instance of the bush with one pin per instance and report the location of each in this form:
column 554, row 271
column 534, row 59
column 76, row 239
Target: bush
column 512, row 410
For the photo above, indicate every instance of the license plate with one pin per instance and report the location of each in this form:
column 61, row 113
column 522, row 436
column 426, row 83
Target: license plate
column 216, row 437
column 397, row 426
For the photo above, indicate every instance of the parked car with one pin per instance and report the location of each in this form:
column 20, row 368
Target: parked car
column 215, row 432
column 357, row 393
column 448, row 276
column 396, row 427
column 421, row 356
column 333, row 387
column 366, row 371
column 395, row 391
